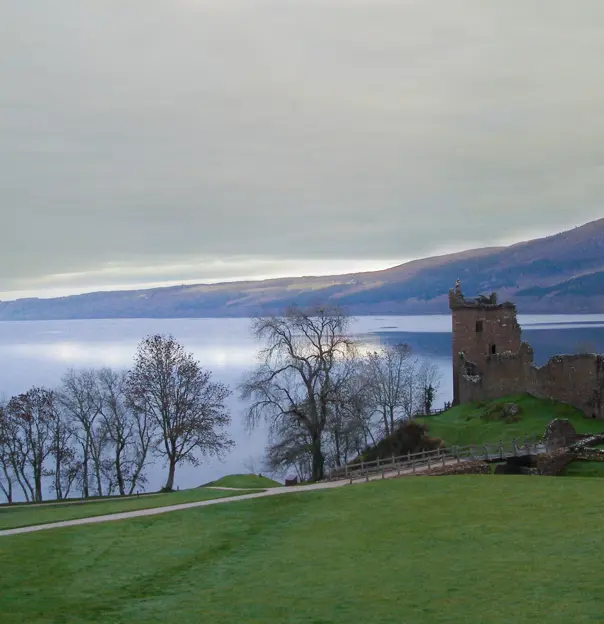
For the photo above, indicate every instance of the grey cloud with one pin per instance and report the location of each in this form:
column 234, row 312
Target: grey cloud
column 148, row 133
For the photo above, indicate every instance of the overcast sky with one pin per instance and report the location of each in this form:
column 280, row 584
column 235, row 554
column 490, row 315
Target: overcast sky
column 158, row 141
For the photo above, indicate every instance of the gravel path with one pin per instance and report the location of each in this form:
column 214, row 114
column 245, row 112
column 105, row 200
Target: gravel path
column 216, row 501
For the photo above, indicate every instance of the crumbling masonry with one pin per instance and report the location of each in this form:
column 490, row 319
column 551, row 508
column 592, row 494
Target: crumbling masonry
column 490, row 360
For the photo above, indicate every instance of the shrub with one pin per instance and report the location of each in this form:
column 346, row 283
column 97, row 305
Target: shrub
column 408, row 437
column 508, row 412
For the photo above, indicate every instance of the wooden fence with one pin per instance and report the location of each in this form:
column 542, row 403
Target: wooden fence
column 411, row 462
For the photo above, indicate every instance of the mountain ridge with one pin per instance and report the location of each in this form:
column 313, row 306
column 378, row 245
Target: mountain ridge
column 561, row 273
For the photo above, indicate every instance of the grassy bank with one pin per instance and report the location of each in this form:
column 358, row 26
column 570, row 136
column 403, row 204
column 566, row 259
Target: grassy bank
column 20, row 516
column 478, row 549
column 478, row 424
column 581, row 468
column 244, row 481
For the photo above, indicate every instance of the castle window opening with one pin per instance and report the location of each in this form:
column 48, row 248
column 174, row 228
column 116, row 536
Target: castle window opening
column 479, row 327
column 493, row 349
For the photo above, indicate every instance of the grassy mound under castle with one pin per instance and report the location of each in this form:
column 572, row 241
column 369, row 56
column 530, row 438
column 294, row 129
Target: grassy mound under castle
column 489, row 422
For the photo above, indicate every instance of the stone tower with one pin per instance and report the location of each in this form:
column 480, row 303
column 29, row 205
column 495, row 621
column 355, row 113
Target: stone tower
column 481, row 328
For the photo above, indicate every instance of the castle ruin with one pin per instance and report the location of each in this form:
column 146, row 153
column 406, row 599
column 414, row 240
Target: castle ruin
column 491, row 361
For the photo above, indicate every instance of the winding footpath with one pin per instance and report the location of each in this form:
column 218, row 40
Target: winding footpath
column 205, row 503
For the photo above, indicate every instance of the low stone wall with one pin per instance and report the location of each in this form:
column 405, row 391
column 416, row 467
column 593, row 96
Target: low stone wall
column 474, row 467
column 589, row 455
column 552, row 464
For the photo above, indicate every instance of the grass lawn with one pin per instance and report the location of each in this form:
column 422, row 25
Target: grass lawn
column 581, row 468
column 480, row 549
column 246, row 481
column 13, row 517
column 464, row 424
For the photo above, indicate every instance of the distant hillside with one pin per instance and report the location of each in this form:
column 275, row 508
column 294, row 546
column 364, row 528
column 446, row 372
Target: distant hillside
column 558, row 274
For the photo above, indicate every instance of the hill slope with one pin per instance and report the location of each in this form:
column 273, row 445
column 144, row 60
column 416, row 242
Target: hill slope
column 563, row 273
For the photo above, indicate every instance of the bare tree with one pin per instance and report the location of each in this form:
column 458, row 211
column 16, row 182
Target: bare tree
column 428, row 380
column 303, row 367
column 81, row 402
column 17, row 452
column 389, row 373
column 62, row 453
column 351, row 426
column 186, row 406
column 32, row 415
column 127, row 432
column 290, row 447
column 6, row 478
column 421, row 384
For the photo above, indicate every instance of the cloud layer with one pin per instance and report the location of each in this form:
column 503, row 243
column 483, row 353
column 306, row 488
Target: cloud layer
column 178, row 140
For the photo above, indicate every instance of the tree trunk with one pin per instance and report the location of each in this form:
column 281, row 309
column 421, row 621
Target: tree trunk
column 85, row 491
column 23, row 481
column 318, row 460
column 385, row 415
column 391, row 419
column 118, row 471
column 38, row 483
column 338, row 451
column 22, row 485
column 170, row 482
column 8, row 488
column 58, row 491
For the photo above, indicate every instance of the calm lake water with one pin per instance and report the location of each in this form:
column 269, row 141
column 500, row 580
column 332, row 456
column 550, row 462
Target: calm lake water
column 38, row 353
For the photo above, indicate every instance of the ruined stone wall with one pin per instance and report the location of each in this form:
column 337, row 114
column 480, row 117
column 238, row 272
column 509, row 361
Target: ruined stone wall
column 501, row 374
column 574, row 379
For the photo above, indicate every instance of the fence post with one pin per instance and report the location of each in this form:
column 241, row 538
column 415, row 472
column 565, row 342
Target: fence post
column 378, row 463
column 443, row 460
column 500, row 449
column 408, row 455
column 472, row 453
column 429, row 465
column 413, row 467
column 393, row 462
column 515, row 447
column 346, row 470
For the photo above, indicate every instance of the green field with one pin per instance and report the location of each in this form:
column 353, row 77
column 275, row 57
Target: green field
column 474, row 549
column 582, row 468
column 27, row 515
column 467, row 424
column 244, row 481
